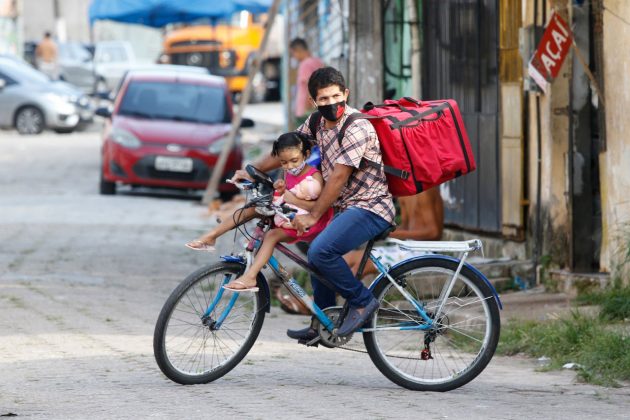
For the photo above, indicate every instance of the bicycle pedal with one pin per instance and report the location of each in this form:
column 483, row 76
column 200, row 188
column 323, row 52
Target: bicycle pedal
column 310, row 343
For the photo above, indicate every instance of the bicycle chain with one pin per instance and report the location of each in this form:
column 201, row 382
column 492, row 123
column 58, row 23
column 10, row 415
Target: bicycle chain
column 349, row 349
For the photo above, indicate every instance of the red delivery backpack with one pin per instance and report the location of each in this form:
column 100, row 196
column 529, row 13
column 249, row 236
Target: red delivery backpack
column 424, row 143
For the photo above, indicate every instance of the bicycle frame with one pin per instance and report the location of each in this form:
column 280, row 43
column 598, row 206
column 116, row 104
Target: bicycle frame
column 463, row 247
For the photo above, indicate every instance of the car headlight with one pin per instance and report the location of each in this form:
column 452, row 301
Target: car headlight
column 217, row 146
column 60, row 103
column 55, row 97
column 125, row 138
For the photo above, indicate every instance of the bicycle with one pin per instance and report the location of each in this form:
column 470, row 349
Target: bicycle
column 436, row 329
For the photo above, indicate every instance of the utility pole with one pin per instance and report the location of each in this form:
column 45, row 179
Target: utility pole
column 60, row 23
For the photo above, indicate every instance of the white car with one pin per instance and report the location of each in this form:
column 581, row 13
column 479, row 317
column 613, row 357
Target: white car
column 76, row 66
column 111, row 60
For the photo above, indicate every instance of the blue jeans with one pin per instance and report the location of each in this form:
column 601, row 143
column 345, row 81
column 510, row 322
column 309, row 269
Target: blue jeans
column 348, row 230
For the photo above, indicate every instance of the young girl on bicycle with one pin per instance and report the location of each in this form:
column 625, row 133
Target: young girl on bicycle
column 300, row 188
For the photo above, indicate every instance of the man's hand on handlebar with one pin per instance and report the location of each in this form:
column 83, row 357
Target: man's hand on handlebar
column 279, row 186
column 240, row 175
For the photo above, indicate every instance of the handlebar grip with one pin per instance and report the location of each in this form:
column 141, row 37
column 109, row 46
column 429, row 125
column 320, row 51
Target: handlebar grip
column 243, row 184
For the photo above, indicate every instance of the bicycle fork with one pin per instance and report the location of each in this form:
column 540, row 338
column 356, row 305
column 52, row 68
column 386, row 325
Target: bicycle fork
column 207, row 319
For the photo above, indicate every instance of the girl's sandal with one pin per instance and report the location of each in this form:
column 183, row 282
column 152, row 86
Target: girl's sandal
column 200, row 246
column 245, row 287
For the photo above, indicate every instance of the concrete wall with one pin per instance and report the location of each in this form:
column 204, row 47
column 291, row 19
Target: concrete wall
column 615, row 161
column 511, row 120
column 365, row 74
column 73, row 24
column 146, row 41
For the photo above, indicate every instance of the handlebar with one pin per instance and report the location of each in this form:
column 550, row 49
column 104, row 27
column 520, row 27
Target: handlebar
column 264, row 202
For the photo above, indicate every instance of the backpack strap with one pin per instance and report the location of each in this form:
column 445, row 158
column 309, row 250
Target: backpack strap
column 387, row 169
column 434, row 110
column 349, row 120
column 365, row 162
column 313, row 123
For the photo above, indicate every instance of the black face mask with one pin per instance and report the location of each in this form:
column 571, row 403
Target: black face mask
column 332, row 112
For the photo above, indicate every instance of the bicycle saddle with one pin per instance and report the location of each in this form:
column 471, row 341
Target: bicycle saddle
column 384, row 234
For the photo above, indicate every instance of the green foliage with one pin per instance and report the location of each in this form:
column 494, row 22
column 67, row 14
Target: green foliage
column 601, row 350
column 616, row 306
column 614, row 303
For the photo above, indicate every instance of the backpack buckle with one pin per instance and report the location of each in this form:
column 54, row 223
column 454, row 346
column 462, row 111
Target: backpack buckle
column 404, row 174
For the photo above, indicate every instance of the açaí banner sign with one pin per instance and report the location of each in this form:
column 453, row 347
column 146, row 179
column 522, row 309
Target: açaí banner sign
column 551, row 52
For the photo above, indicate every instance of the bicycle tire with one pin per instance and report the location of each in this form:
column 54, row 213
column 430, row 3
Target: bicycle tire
column 187, row 349
column 465, row 338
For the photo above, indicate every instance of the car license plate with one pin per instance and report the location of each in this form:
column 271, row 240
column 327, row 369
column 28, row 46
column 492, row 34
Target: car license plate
column 173, row 164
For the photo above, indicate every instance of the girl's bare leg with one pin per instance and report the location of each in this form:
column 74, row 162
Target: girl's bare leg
column 229, row 223
column 248, row 279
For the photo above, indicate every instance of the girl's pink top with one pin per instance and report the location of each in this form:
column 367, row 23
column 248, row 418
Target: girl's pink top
column 291, row 181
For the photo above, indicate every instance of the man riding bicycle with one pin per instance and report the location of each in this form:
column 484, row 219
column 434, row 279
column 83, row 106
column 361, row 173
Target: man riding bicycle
column 357, row 191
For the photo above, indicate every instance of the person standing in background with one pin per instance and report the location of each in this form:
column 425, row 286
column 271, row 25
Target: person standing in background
column 46, row 56
column 307, row 65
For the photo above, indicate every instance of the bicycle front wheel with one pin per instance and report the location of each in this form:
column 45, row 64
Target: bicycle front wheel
column 461, row 341
column 203, row 330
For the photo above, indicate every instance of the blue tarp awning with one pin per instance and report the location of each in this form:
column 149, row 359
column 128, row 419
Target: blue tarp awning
column 158, row 13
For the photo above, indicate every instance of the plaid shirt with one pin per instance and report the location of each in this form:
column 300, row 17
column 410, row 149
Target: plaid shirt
column 367, row 186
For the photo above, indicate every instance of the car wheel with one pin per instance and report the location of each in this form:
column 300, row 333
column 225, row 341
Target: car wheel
column 63, row 130
column 107, row 187
column 29, row 120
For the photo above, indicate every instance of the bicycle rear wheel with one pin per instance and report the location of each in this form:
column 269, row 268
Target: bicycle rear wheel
column 456, row 349
column 191, row 347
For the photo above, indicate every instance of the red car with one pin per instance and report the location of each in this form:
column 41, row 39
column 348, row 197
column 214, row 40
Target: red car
column 167, row 129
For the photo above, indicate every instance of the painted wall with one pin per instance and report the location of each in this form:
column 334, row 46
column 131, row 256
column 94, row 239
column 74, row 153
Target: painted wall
column 554, row 131
column 397, row 47
column 615, row 161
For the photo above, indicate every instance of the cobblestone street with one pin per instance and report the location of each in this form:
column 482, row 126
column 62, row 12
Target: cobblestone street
column 83, row 278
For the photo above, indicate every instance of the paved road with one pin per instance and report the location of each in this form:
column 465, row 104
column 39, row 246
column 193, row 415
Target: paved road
column 83, row 277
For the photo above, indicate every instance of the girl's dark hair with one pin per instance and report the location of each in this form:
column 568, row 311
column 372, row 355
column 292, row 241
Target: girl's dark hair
column 291, row 139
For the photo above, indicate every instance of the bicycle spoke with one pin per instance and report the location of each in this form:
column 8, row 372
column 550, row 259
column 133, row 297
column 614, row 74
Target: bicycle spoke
column 196, row 346
column 439, row 355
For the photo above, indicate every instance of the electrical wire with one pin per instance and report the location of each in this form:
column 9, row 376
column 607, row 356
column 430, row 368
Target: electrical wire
column 606, row 9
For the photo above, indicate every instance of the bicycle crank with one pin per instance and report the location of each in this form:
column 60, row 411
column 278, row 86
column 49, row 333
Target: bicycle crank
column 327, row 339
